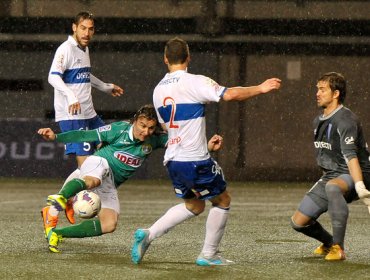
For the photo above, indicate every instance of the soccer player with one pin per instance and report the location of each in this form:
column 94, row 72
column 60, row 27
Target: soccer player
column 71, row 77
column 341, row 153
column 179, row 100
column 126, row 146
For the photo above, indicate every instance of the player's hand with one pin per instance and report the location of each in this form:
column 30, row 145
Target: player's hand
column 270, row 84
column 47, row 133
column 75, row 108
column 363, row 193
column 366, row 201
column 215, row 143
column 117, row 91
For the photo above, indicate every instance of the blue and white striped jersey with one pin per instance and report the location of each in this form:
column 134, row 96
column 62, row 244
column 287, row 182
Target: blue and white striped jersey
column 70, row 75
column 179, row 100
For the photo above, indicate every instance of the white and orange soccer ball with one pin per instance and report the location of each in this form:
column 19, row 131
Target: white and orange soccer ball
column 86, row 204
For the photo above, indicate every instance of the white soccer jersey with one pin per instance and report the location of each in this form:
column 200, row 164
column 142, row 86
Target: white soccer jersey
column 179, row 100
column 70, row 75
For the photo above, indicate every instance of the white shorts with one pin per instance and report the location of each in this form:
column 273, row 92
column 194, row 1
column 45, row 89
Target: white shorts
column 98, row 167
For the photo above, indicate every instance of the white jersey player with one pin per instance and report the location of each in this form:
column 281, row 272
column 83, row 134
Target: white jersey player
column 180, row 100
column 71, row 77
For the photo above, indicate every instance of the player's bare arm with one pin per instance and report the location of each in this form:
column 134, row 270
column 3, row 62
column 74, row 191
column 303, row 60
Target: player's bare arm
column 243, row 93
column 215, row 143
column 47, row 133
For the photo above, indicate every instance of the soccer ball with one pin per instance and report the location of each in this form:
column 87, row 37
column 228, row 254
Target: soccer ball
column 86, row 204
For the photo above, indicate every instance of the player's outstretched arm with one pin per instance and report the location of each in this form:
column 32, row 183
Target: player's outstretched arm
column 215, row 143
column 243, row 93
column 47, row 133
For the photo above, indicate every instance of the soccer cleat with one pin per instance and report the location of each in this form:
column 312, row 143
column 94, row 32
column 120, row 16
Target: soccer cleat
column 141, row 244
column 336, row 253
column 58, row 201
column 211, row 261
column 49, row 221
column 53, row 240
column 322, row 250
column 70, row 212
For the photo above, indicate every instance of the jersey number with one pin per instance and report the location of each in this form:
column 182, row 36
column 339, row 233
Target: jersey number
column 173, row 111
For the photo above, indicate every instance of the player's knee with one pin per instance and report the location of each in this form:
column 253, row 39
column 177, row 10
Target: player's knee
column 109, row 226
column 332, row 190
column 195, row 206
column 222, row 201
column 295, row 226
column 91, row 182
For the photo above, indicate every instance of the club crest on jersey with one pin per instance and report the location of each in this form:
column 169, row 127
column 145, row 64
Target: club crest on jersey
column 127, row 159
column 105, row 128
column 147, row 148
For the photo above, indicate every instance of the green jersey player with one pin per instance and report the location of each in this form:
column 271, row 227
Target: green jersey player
column 125, row 147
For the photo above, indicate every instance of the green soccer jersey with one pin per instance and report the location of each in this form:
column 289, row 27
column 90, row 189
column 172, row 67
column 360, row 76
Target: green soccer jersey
column 123, row 153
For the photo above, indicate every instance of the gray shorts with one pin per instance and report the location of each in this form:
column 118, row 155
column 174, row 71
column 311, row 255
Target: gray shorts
column 315, row 202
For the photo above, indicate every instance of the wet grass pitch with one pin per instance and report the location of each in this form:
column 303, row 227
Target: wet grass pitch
column 258, row 237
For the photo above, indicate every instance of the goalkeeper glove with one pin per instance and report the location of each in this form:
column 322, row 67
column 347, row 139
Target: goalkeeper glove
column 363, row 193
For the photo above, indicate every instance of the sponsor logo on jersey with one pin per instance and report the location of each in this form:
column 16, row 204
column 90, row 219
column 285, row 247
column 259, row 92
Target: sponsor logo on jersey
column 128, row 159
column 105, row 128
column 173, row 141
column 169, row 81
column 349, row 140
column 83, row 75
column 147, row 149
column 322, row 145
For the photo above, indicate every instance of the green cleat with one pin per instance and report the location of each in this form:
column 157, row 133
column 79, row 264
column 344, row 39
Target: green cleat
column 59, row 201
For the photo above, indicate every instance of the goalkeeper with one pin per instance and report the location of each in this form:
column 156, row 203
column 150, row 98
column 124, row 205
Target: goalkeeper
column 341, row 152
column 125, row 147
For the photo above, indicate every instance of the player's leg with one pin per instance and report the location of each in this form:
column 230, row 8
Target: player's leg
column 180, row 172
column 304, row 220
column 215, row 227
column 336, row 190
column 107, row 222
column 92, row 172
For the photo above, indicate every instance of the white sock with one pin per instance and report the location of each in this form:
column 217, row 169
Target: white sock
column 53, row 211
column 75, row 174
column 215, row 227
column 174, row 216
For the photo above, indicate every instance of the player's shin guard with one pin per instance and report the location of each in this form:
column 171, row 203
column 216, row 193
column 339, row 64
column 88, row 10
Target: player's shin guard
column 338, row 212
column 215, row 227
column 314, row 230
column 72, row 187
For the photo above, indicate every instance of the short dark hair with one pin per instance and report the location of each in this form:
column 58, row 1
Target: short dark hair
column 147, row 111
column 176, row 51
column 336, row 82
column 82, row 16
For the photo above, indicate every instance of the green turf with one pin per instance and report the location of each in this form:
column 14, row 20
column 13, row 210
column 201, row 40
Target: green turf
column 258, row 238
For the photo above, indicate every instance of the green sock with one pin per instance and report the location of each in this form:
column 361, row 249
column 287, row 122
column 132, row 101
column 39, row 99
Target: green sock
column 72, row 187
column 87, row 228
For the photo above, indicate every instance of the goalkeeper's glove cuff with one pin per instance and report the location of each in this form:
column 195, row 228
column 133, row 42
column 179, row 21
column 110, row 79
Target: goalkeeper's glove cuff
column 361, row 190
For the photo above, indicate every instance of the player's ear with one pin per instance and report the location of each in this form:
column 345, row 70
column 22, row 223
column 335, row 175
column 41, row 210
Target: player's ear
column 336, row 94
column 165, row 59
column 74, row 27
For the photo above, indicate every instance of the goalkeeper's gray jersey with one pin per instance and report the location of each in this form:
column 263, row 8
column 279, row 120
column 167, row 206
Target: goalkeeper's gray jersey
column 339, row 138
